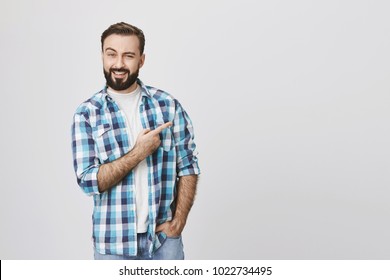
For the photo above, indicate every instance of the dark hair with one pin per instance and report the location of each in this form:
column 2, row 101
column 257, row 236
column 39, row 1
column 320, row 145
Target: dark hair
column 122, row 28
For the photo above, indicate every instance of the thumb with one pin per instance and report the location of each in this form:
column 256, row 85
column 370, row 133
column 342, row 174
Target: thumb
column 160, row 228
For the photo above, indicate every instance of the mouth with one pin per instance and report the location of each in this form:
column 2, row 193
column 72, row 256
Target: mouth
column 119, row 74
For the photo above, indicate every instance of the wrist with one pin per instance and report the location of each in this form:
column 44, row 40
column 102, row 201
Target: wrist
column 178, row 224
column 136, row 153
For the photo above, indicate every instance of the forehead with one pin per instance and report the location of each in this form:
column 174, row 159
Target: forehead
column 122, row 43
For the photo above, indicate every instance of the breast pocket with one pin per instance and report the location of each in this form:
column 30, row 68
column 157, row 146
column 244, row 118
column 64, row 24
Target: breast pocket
column 105, row 144
column 167, row 141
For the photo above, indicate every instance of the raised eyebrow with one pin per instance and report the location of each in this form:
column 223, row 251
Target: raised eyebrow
column 125, row 53
column 109, row 49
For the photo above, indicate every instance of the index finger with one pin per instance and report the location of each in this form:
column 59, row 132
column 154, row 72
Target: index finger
column 162, row 127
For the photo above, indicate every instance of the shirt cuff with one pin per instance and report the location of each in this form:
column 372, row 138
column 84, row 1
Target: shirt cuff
column 192, row 169
column 89, row 183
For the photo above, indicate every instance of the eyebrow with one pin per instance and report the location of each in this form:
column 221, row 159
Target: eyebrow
column 111, row 49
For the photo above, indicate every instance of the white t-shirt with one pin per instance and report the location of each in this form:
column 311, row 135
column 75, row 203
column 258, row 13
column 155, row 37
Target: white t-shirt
column 129, row 104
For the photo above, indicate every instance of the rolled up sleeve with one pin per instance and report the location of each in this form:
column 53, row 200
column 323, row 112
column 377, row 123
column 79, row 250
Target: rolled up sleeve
column 187, row 160
column 85, row 162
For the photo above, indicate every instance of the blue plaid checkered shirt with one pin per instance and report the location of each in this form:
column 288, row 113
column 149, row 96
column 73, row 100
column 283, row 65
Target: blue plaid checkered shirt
column 99, row 136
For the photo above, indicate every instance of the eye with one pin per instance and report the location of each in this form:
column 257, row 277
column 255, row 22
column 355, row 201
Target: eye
column 111, row 54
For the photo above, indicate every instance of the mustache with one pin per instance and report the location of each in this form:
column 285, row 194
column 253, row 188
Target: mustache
column 120, row 70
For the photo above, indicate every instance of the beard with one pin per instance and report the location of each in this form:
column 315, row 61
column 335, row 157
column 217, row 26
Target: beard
column 120, row 84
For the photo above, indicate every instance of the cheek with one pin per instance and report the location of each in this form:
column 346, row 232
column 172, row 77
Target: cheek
column 106, row 66
column 108, row 63
column 129, row 63
column 132, row 65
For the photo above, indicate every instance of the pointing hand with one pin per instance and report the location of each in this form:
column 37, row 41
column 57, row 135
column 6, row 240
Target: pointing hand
column 149, row 140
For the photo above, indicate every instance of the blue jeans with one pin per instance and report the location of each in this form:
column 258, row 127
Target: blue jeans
column 171, row 249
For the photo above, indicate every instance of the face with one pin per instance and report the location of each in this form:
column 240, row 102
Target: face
column 121, row 62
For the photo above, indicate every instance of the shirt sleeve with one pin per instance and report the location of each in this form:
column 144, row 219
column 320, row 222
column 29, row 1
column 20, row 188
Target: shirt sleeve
column 187, row 161
column 85, row 162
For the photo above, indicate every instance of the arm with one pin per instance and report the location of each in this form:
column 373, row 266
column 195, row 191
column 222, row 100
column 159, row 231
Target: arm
column 187, row 171
column 111, row 173
column 93, row 177
column 85, row 160
column 185, row 199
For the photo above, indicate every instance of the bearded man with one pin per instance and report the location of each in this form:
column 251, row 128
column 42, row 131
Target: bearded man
column 134, row 152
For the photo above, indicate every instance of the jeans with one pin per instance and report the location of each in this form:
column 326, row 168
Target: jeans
column 171, row 249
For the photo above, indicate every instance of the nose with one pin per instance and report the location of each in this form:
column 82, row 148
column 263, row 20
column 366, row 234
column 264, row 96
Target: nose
column 119, row 62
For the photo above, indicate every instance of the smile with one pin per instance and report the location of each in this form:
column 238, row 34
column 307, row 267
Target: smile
column 119, row 74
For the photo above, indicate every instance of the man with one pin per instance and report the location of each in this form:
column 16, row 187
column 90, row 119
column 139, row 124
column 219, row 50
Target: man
column 134, row 152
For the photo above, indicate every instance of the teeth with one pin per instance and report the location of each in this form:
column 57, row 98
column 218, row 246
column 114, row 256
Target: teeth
column 119, row 73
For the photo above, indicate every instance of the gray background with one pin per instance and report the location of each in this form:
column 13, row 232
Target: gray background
column 290, row 102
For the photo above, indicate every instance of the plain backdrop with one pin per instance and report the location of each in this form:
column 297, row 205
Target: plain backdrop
column 290, row 103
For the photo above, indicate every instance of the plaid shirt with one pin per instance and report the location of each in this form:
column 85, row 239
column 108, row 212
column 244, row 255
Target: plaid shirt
column 99, row 136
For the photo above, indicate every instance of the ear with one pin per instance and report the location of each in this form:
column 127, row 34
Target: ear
column 142, row 60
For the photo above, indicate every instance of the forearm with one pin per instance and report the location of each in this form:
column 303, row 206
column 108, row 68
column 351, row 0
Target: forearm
column 186, row 190
column 111, row 173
